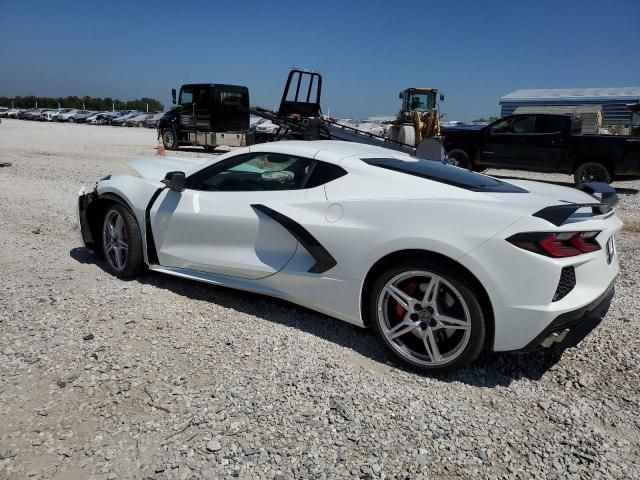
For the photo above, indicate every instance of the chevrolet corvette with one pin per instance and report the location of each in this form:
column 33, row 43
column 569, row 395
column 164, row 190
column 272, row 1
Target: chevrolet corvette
column 441, row 262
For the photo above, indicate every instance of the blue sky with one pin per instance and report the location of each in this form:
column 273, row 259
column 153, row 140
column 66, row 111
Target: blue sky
column 472, row 51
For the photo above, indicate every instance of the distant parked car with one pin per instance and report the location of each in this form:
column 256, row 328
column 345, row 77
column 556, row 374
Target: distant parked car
column 120, row 121
column 82, row 117
column 29, row 114
column 55, row 117
column 138, row 120
column 3, row 111
column 43, row 114
column 153, row 121
column 64, row 117
column 93, row 118
column 14, row 113
column 108, row 117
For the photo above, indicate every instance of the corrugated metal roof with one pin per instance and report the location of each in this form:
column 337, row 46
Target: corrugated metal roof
column 617, row 93
column 560, row 109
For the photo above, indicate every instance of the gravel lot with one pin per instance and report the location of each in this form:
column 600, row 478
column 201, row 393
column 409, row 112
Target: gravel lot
column 165, row 378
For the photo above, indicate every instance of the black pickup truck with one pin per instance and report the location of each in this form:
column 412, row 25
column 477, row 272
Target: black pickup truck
column 544, row 143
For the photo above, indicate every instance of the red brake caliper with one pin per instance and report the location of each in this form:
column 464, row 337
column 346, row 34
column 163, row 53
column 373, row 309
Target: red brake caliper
column 409, row 289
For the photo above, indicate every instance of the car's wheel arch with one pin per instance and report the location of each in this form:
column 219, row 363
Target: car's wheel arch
column 390, row 259
column 96, row 211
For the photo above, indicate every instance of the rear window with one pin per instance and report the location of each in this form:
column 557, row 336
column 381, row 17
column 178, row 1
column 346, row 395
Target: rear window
column 438, row 172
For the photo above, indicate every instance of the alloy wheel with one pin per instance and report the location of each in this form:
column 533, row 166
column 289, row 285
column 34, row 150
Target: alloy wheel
column 115, row 240
column 424, row 318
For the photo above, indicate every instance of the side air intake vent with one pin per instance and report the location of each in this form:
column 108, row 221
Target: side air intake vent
column 566, row 284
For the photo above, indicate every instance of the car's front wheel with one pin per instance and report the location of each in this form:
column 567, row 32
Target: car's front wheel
column 428, row 315
column 122, row 242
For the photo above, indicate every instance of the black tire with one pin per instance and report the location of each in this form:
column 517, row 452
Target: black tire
column 461, row 157
column 209, row 148
column 131, row 263
column 169, row 139
column 71, row 120
column 475, row 342
column 591, row 172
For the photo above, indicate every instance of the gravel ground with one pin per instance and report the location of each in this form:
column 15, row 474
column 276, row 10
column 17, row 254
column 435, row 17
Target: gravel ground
column 161, row 377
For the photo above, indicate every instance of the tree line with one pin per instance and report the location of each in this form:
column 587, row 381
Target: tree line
column 86, row 103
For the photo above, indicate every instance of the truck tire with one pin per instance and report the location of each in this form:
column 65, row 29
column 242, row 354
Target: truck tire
column 461, row 157
column 591, row 172
column 392, row 133
column 407, row 135
column 169, row 139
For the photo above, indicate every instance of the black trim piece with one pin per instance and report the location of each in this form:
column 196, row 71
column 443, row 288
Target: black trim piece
column 84, row 203
column 441, row 173
column 604, row 193
column 557, row 214
column 580, row 322
column 324, row 260
column 152, row 253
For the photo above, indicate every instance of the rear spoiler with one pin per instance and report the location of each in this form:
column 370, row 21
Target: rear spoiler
column 605, row 195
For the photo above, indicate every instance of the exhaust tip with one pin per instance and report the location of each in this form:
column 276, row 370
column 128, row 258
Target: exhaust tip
column 555, row 337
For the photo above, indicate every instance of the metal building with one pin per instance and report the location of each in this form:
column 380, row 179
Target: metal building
column 615, row 101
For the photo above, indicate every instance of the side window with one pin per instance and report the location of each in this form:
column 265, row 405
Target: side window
column 231, row 98
column 186, row 96
column 549, row 124
column 514, row 125
column 324, row 173
column 254, row 172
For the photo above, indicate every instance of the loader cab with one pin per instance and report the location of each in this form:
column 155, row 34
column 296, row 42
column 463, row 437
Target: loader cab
column 207, row 115
column 418, row 99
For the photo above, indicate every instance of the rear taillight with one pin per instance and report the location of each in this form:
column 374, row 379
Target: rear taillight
column 557, row 245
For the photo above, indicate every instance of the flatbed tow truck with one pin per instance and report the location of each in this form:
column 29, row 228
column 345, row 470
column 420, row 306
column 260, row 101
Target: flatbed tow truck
column 210, row 115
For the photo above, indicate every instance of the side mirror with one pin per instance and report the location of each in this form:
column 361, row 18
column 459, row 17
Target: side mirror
column 441, row 97
column 400, row 95
column 175, row 181
column 173, row 95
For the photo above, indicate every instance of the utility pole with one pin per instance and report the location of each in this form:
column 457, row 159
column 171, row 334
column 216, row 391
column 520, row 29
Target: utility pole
column 113, row 106
column 147, row 108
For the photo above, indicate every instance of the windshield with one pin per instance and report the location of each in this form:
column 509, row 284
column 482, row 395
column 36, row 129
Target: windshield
column 421, row 102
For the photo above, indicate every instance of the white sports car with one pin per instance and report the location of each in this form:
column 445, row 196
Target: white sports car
column 442, row 262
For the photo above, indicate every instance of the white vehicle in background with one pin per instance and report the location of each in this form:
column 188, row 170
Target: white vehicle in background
column 138, row 120
column 55, row 116
column 64, row 117
column 11, row 113
column 442, row 262
column 94, row 119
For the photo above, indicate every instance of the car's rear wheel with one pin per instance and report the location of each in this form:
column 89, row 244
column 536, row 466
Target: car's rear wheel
column 428, row 315
column 122, row 242
column 169, row 139
column 591, row 172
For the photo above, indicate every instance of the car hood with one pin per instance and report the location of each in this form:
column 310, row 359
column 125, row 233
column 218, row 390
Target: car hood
column 156, row 168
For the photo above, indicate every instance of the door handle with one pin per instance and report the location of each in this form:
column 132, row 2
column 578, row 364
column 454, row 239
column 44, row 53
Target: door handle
column 488, row 153
column 632, row 140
